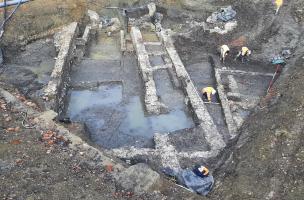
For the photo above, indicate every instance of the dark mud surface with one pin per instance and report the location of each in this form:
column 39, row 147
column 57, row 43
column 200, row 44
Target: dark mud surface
column 31, row 168
column 30, row 68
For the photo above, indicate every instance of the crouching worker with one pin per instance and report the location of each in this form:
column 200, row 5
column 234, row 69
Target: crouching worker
column 243, row 54
column 196, row 180
column 208, row 93
column 278, row 4
column 224, row 50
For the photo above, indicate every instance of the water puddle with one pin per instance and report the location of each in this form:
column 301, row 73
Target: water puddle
column 154, row 48
column 84, row 100
column 43, row 71
column 113, row 123
column 156, row 60
column 113, row 113
column 172, row 98
column 136, row 123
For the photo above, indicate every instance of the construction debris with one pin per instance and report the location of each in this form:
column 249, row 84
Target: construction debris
column 224, row 15
column 221, row 21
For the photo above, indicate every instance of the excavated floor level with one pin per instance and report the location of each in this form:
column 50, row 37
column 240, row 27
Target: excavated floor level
column 106, row 95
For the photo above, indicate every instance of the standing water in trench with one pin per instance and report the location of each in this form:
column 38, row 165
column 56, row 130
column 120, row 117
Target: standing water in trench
column 113, row 111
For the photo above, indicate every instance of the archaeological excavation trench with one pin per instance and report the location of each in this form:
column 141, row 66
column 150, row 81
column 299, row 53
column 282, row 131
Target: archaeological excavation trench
column 138, row 96
column 103, row 99
column 137, row 99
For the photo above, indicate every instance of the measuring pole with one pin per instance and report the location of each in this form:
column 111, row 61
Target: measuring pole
column 274, row 77
column 214, row 103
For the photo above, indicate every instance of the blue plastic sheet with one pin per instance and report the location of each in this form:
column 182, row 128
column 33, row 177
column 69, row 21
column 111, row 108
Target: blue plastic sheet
column 226, row 14
column 277, row 60
column 187, row 178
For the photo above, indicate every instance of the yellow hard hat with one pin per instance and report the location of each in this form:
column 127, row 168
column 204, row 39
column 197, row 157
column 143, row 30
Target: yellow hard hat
column 204, row 170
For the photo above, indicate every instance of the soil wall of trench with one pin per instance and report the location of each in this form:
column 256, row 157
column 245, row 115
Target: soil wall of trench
column 267, row 161
column 39, row 18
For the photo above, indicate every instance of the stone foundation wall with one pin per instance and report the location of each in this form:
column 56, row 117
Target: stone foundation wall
column 201, row 113
column 70, row 49
column 152, row 103
column 57, row 87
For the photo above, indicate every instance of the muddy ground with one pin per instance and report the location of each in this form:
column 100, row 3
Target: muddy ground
column 33, row 168
column 265, row 162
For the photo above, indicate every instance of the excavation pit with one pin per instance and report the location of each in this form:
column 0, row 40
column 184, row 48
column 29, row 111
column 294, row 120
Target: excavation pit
column 106, row 95
column 108, row 91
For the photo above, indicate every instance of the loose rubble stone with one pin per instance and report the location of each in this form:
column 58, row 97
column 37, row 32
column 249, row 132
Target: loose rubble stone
column 140, row 178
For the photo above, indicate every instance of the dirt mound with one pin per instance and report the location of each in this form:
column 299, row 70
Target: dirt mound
column 41, row 16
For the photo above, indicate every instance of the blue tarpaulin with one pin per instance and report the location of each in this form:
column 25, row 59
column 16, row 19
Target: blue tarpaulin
column 187, row 178
column 277, row 60
column 226, row 14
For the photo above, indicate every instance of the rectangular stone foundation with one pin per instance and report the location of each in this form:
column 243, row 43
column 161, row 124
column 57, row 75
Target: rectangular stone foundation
column 152, row 103
column 232, row 128
column 201, row 113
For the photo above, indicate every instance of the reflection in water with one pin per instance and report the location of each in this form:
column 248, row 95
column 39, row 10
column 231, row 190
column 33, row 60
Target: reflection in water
column 89, row 106
column 104, row 95
column 114, row 114
column 137, row 124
